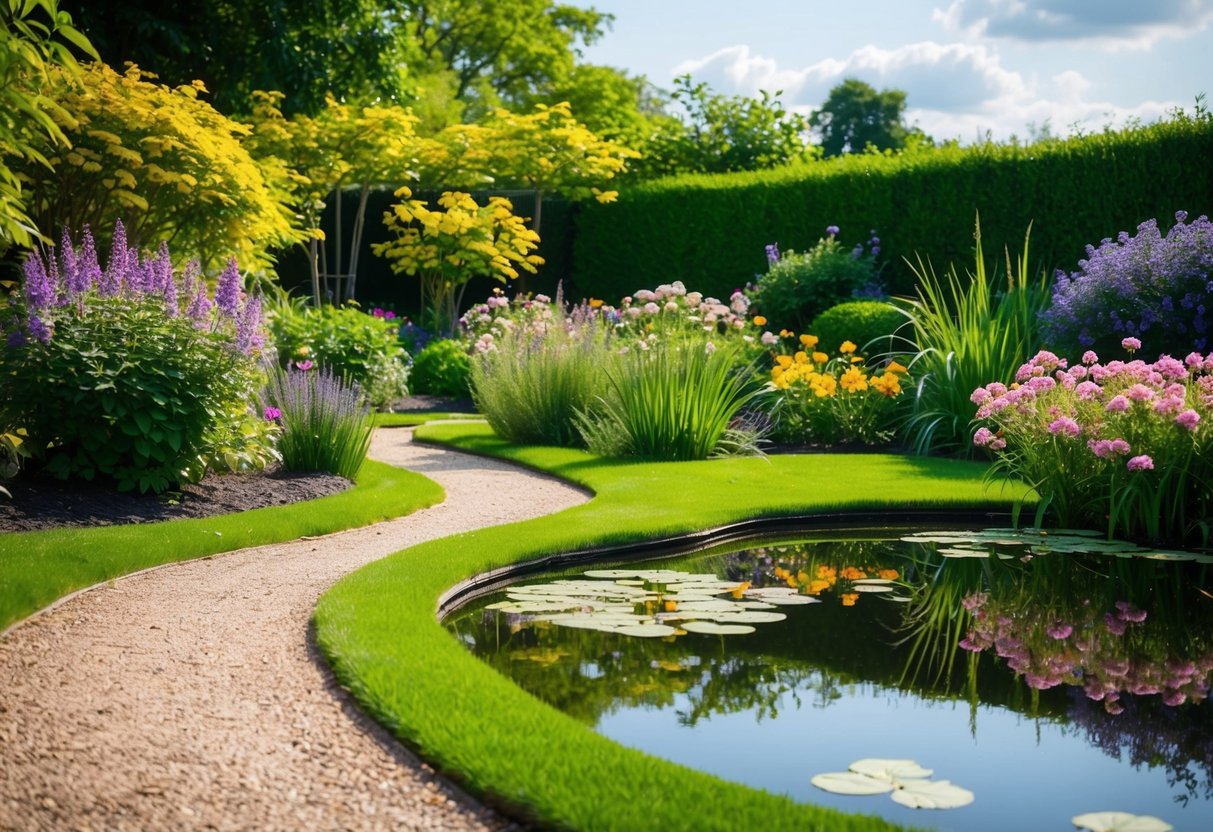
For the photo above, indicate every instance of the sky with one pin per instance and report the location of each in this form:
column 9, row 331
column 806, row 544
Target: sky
column 969, row 67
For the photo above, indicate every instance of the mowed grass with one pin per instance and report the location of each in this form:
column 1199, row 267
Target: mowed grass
column 36, row 568
column 379, row 631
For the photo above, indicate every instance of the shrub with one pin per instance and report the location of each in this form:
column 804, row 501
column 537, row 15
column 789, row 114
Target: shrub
column 868, row 323
column 823, row 399
column 359, row 348
column 965, row 334
column 442, row 368
column 798, row 287
column 673, row 401
column 530, row 385
column 131, row 373
column 1145, row 286
column 1121, row 446
column 326, row 426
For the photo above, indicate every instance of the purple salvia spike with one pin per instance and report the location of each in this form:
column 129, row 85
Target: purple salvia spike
column 90, row 268
column 248, row 324
column 58, row 288
column 72, row 278
column 199, row 310
column 39, row 291
column 166, row 284
column 115, row 273
column 138, row 273
column 38, row 328
column 227, row 295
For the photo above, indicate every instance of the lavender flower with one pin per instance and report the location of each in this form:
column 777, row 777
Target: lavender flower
column 248, row 326
column 114, row 275
column 75, row 281
column 39, row 290
column 832, row 230
column 38, row 329
column 773, row 254
column 90, row 269
column 1141, row 463
column 227, row 295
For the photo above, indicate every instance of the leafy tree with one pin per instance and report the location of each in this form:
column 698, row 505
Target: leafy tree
column 35, row 38
column 721, row 133
column 160, row 159
column 306, row 50
column 855, row 116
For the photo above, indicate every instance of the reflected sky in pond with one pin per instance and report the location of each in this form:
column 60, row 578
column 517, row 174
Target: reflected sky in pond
column 1048, row 682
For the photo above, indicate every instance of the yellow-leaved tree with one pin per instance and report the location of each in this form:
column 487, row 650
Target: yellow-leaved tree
column 162, row 160
column 449, row 245
column 319, row 156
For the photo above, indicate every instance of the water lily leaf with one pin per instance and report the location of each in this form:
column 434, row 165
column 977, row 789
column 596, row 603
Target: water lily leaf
column 872, row 582
column 931, row 794
column 956, row 552
column 647, row 630
column 755, row 605
column 750, row 617
column 611, row 573
column 1120, row 822
column 711, row 628
column 886, row 769
column 850, row 782
column 790, row 600
column 630, row 582
column 872, row 588
column 1169, row 556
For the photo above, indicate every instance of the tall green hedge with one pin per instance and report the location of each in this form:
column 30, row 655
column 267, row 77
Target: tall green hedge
column 709, row 231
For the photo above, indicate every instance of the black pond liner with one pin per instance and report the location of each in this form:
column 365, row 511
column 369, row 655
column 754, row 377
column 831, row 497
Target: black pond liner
column 691, row 542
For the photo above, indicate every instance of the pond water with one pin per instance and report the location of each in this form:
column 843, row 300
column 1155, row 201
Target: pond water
column 1048, row 675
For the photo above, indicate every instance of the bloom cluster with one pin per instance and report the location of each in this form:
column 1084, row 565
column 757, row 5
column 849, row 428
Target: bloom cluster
column 58, row 285
column 803, row 569
column 1088, row 432
column 1105, row 652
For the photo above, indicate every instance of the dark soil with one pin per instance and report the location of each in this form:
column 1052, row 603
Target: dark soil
column 39, row 504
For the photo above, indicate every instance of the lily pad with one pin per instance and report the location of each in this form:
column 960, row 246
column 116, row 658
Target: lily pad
column 931, row 794
column 712, row 628
column 890, row 769
column 1120, row 822
column 647, row 630
column 750, row 617
column 872, row 588
column 850, row 782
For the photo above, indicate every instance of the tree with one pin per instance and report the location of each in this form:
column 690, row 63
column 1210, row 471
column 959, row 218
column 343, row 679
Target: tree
column 32, row 47
column 855, row 116
column 726, row 133
column 349, row 48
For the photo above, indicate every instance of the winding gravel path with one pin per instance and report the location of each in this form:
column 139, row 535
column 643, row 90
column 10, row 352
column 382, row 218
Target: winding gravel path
column 190, row 696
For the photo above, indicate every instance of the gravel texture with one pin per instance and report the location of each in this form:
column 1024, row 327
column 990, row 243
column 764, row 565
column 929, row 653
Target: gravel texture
column 191, row 696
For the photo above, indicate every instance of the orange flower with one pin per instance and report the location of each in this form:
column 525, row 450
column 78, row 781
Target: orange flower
column 850, row 573
column 847, row 347
column 595, row 303
column 894, row 367
column 849, row 599
column 809, row 341
column 759, row 320
column 816, row 587
column 739, row 591
column 820, row 358
column 888, row 574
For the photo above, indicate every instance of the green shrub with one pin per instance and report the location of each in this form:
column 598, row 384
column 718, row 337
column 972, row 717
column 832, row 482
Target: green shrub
column 442, row 368
column 869, row 324
column 325, row 424
column 129, row 373
column 530, row 386
column 673, row 401
column 799, row 286
column 967, row 334
column 359, row 348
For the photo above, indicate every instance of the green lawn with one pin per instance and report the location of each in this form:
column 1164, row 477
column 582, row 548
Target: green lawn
column 379, row 631
column 36, row 568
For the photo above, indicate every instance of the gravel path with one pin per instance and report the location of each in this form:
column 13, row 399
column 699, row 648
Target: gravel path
column 190, row 697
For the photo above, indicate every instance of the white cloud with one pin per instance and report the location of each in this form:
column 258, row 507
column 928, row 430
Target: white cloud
column 1116, row 24
column 953, row 90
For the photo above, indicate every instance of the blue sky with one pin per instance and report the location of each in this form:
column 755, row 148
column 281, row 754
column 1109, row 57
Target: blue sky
column 967, row 66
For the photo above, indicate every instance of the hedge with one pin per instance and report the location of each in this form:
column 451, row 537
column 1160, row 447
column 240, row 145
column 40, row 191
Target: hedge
column 709, row 231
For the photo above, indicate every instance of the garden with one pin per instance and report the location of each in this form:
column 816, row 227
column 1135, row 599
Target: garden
column 873, row 499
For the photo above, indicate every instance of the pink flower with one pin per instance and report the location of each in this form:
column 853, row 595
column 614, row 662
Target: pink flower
column 1064, row 426
column 1141, row 463
column 1174, row 698
column 651, row 308
column 1188, row 420
column 1089, row 357
column 1194, row 360
column 1088, row 390
column 1059, row 630
column 304, row 365
column 1140, row 393
column 980, row 396
column 272, row 414
column 974, row 601
column 1119, row 404
column 997, row 444
column 982, row 437
column 1131, row 344
column 1127, row 612
column 1115, row 626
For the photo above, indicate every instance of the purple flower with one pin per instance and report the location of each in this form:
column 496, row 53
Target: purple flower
column 1115, row 626
column 39, row 291
column 1126, row 611
column 38, row 328
column 227, row 295
column 1141, row 463
column 773, row 255
column 90, row 268
column 112, row 279
column 272, row 414
column 832, row 230
column 74, row 278
column 1064, row 426
column 248, row 326
column 1188, row 420
column 1058, row 630
column 16, row 339
column 304, row 365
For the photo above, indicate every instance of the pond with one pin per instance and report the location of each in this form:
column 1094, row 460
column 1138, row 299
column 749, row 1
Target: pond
column 1043, row 675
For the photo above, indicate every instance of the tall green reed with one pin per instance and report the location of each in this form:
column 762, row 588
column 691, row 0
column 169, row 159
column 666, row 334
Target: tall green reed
column 325, row 424
column 967, row 333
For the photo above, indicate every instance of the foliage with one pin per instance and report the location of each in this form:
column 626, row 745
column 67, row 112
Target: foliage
column 132, row 373
column 673, row 401
column 163, row 161
column 530, row 385
column 346, row 48
column 442, row 368
column 34, row 39
column 824, row 399
column 725, row 133
column 870, row 324
column 448, row 246
column 798, row 287
column 709, row 230
column 966, row 332
column 855, row 116
column 325, row 424
column 1143, row 286
column 358, row 348
column 1123, row 446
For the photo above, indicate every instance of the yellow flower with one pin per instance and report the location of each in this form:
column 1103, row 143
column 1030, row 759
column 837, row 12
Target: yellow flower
column 888, row 384
column 888, row 574
column 853, row 380
column 759, row 320
column 824, row 386
column 820, row 358
column 856, row 359
column 783, row 361
column 894, row 367
column 801, row 358
column 595, row 303
column 847, row 347
column 809, row 341
column 849, row 598
column 784, row 333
